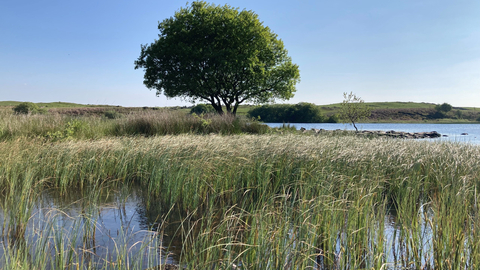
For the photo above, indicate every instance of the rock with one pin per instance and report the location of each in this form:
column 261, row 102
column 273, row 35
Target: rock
column 433, row 134
column 401, row 134
column 464, row 134
column 444, row 135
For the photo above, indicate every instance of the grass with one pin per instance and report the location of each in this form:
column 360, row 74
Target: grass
column 382, row 112
column 270, row 201
column 141, row 123
column 278, row 201
column 53, row 104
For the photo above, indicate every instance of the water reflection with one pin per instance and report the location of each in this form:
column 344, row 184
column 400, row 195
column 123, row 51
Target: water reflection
column 127, row 222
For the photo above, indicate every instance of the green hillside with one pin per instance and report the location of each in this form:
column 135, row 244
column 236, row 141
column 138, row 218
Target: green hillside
column 52, row 104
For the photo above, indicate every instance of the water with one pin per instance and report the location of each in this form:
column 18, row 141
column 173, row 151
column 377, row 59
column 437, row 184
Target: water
column 453, row 132
column 118, row 221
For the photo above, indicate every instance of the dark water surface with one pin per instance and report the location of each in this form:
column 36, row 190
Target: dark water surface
column 117, row 221
column 453, row 132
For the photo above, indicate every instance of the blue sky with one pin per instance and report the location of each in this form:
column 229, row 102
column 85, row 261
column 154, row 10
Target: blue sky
column 83, row 51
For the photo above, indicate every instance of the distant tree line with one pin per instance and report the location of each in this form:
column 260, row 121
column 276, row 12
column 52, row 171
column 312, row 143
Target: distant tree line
column 291, row 113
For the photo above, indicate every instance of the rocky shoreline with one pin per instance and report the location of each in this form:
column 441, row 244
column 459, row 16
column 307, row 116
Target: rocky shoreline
column 380, row 133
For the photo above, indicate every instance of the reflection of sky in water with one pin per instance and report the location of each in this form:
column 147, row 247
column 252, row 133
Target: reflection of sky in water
column 453, row 131
column 120, row 223
column 124, row 221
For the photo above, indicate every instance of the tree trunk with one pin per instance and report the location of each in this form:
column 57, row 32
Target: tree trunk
column 217, row 107
column 235, row 109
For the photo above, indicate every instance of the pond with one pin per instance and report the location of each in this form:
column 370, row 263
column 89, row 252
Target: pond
column 452, row 132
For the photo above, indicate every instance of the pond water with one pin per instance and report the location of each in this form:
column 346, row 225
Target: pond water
column 116, row 223
column 453, row 132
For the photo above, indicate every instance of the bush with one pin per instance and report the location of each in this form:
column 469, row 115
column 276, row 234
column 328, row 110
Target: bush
column 445, row 107
column 333, row 119
column 202, row 109
column 28, row 108
column 112, row 114
column 298, row 113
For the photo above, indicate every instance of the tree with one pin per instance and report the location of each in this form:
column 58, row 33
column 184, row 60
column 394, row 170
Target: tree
column 445, row 107
column 220, row 55
column 353, row 109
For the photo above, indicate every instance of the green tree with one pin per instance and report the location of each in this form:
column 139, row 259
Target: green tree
column 220, row 55
column 353, row 109
column 445, row 107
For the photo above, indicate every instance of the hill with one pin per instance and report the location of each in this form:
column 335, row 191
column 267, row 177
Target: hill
column 411, row 112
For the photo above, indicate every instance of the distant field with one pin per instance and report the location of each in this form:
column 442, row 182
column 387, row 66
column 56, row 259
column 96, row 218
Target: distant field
column 381, row 111
column 53, row 104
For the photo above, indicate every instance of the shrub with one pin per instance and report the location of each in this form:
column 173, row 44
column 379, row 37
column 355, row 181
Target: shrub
column 112, row 114
column 445, row 107
column 27, row 108
column 202, row 109
column 333, row 119
column 68, row 132
column 298, row 113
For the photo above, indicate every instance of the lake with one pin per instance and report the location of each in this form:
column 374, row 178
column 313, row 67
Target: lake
column 452, row 131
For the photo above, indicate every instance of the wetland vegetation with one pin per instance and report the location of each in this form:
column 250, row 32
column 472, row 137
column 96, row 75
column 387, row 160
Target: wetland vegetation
column 236, row 195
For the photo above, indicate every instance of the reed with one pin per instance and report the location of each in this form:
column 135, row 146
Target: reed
column 259, row 202
column 54, row 126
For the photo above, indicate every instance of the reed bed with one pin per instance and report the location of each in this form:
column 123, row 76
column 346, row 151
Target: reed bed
column 56, row 126
column 265, row 202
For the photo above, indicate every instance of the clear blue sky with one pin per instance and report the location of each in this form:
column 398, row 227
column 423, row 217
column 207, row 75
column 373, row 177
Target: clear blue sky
column 399, row 50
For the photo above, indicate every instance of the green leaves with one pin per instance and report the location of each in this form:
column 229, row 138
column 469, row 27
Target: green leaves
column 218, row 54
column 353, row 109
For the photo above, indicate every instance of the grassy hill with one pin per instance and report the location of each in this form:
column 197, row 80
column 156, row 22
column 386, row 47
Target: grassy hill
column 53, row 104
column 381, row 111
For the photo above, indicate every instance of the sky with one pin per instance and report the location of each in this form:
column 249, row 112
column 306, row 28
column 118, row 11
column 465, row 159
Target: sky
column 395, row 50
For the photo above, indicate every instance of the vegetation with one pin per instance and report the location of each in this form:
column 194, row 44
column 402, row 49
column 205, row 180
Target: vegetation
column 262, row 202
column 141, row 123
column 353, row 109
column 202, row 109
column 27, row 108
column 219, row 55
column 299, row 113
column 445, row 107
column 386, row 112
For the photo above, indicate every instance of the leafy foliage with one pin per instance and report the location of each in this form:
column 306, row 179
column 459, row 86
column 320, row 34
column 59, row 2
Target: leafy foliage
column 220, row 55
column 68, row 132
column 298, row 113
column 202, row 109
column 27, row 108
column 353, row 109
column 445, row 107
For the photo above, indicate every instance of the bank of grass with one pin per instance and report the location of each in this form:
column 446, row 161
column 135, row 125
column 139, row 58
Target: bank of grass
column 260, row 202
column 141, row 123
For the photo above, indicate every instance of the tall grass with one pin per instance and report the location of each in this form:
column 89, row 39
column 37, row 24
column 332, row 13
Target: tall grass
column 278, row 201
column 145, row 123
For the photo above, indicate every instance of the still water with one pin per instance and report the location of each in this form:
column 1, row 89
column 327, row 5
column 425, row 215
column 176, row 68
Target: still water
column 451, row 132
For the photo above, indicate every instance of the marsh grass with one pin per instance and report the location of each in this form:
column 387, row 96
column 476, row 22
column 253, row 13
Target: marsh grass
column 54, row 127
column 262, row 202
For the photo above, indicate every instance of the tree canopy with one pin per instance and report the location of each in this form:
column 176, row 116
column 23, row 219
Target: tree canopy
column 220, row 55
